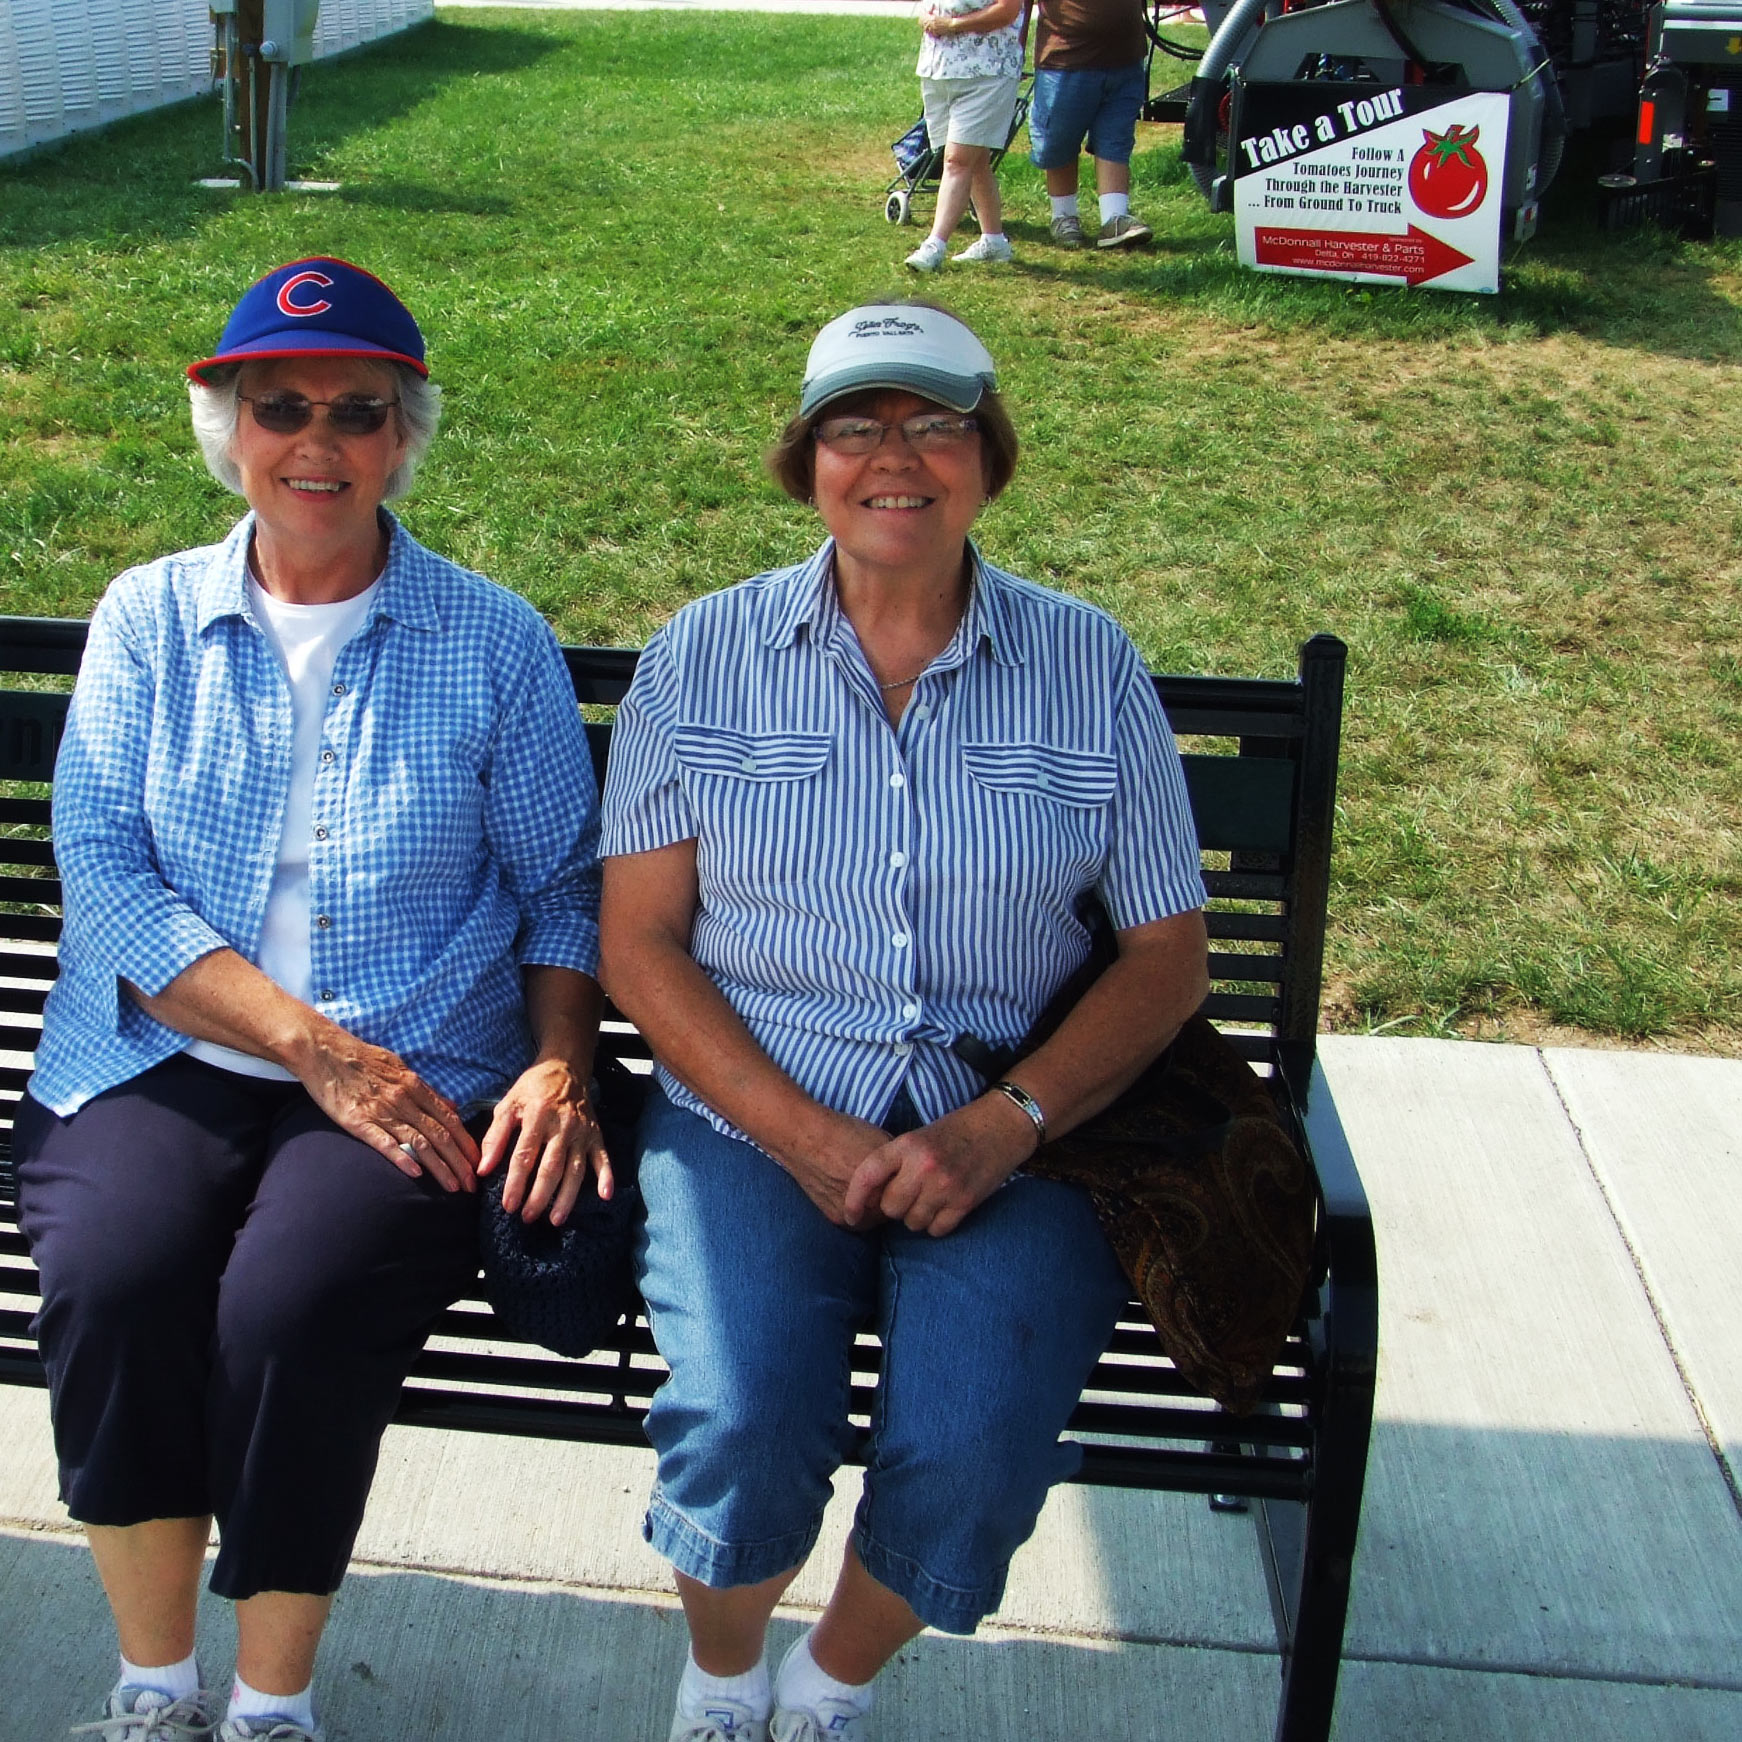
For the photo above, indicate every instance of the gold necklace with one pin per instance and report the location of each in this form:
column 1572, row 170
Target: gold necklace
column 901, row 683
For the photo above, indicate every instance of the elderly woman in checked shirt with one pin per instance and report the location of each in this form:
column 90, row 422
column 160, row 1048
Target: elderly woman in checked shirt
column 852, row 808
column 326, row 827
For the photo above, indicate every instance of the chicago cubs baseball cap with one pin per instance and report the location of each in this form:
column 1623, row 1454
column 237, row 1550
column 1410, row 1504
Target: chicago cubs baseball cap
column 320, row 307
column 897, row 345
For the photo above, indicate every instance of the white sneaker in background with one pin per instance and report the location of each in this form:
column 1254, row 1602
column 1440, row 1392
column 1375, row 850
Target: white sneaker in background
column 989, row 249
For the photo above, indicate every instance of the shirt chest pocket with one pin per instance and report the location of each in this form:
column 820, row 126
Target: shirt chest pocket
column 1039, row 814
column 1044, row 774
column 757, row 798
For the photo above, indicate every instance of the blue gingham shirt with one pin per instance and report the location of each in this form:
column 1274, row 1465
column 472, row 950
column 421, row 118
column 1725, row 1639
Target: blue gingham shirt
column 867, row 892
column 455, row 818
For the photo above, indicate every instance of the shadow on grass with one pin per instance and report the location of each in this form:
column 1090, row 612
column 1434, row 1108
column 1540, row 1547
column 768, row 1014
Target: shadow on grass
column 136, row 178
column 410, row 196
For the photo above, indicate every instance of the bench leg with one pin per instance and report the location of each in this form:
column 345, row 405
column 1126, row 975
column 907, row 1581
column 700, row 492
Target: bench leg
column 1308, row 1551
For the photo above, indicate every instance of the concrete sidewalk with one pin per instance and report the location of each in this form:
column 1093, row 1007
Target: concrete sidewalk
column 1551, row 1544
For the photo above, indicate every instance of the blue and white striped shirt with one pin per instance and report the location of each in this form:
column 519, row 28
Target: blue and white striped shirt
column 867, row 892
column 454, row 832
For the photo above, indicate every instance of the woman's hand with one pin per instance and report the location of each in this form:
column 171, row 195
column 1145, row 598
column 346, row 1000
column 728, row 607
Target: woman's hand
column 367, row 1091
column 826, row 1163
column 996, row 15
column 933, row 1178
column 378, row 1098
column 547, row 1129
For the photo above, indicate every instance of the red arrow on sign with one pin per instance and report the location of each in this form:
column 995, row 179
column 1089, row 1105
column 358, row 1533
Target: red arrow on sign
column 1415, row 256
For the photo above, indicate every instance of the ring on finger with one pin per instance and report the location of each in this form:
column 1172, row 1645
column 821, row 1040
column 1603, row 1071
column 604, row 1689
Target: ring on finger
column 409, row 1148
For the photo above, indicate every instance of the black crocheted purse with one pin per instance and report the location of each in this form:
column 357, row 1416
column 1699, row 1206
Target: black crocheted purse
column 567, row 1288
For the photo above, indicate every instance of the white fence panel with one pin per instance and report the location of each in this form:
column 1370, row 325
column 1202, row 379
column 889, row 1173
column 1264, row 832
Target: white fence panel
column 66, row 65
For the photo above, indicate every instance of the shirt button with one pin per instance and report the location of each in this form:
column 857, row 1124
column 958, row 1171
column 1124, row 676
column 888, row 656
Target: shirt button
column 320, row 834
column 899, row 940
column 898, row 859
column 898, row 781
column 901, row 1049
column 1041, row 781
column 326, row 996
column 748, row 765
column 338, row 689
column 910, row 1011
column 326, row 756
column 922, row 710
column 323, row 922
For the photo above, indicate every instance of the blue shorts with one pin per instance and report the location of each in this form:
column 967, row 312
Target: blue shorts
column 1073, row 104
column 754, row 1296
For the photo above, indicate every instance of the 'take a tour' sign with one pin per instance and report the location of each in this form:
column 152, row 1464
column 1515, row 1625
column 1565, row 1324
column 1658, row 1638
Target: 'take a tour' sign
column 1365, row 182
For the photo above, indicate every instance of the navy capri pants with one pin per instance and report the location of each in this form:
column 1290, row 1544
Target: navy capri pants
column 233, row 1290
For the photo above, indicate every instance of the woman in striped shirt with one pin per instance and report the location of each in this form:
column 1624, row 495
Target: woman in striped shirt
column 853, row 807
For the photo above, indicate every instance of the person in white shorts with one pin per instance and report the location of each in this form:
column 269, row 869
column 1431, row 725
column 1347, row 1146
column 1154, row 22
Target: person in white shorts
column 970, row 62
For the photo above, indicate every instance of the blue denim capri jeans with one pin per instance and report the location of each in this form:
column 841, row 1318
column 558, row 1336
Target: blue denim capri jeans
column 1071, row 104
column 989, row 1335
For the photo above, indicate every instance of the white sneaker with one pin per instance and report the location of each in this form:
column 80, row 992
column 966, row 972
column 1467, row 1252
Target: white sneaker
column 831, row 1722
column 147, row 1715
column 265, row 1730
column 929, row 255
column 724, row 1721
column 989, row 248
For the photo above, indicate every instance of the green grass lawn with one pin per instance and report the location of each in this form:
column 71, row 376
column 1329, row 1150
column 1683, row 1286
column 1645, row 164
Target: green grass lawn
column 620, row 232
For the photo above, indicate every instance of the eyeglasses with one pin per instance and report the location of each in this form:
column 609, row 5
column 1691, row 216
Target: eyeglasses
column 929, row 433
column 351, row 414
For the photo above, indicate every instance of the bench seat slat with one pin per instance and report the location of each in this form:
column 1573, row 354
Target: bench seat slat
column 25, row 965
column 31, row 928
column 1244, row 885
column 31, row 891
column 1253, row 968
column 23, row 850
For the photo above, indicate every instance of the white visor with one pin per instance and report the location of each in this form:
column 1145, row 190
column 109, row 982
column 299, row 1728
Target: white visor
column 896, row 345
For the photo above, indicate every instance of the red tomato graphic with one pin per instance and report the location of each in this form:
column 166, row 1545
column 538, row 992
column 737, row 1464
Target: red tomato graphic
column 1447, row 176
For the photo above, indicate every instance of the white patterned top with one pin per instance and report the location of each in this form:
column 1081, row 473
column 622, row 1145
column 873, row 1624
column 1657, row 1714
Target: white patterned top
column 993, row 54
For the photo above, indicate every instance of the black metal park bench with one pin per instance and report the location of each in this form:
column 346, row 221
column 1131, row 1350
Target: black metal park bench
column 1261, row 763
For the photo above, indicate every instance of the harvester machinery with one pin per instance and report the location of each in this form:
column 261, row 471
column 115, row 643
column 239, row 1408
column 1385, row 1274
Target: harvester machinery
column 1673, row 66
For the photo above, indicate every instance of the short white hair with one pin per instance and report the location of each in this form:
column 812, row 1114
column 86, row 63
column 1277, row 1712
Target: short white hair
column 216, row 403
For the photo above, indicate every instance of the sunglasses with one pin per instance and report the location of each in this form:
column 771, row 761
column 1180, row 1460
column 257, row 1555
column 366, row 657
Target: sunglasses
column 929, row 433
column 351, row 414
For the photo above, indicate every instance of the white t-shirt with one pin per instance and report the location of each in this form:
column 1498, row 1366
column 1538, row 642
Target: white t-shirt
column 307, row 639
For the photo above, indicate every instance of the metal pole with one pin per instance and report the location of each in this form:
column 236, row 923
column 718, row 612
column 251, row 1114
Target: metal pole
column 277, row 144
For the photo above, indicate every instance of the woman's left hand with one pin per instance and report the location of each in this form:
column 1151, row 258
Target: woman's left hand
column 546, row 1128
column 931, row 1179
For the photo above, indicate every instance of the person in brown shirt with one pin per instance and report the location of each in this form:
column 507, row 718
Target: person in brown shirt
column 1090, row 80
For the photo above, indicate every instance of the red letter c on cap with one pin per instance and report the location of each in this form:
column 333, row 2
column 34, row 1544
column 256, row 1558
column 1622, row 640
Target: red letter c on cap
column 288, row 307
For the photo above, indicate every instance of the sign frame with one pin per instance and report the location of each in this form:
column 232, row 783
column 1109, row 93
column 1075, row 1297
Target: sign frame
column 1374, row 184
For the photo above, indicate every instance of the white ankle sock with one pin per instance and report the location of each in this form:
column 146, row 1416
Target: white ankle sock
column 177, row 1680
column 1063, row 205
column 1114, row 206
column 247, row 1702
column 698, row 1689
column 803, row 1685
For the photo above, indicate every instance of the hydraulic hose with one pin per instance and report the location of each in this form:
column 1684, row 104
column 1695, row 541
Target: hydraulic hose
column 1554, row 104
column 1199, row 145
